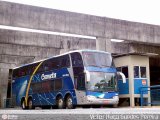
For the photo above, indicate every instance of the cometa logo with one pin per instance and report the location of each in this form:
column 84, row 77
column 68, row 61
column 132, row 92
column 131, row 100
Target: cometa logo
column 50, row 76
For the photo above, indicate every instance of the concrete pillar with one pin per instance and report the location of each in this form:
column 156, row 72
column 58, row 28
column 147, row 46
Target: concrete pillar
column 4, row 72
column 103, row 44
column 149, row 84
column 3, row 84
column 131, row 83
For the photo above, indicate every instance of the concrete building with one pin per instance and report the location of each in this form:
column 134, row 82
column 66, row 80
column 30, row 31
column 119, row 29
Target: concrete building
column 20, row 47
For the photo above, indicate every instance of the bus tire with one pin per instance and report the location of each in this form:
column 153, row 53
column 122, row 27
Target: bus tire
column 30, row 104
column 69, row 102
column 60, row 103
column 23, row 105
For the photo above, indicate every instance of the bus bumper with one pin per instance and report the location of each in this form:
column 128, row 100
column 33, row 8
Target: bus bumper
column 100, row 101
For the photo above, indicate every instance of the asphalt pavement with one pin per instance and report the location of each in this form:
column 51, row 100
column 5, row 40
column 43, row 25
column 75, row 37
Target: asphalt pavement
column 150, row 113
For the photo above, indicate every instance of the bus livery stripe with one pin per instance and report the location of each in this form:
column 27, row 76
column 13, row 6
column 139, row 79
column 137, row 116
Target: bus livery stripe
column 29, row 83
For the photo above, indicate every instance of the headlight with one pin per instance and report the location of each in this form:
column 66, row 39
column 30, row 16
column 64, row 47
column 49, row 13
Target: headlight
column 116, row 94
column 115, row 97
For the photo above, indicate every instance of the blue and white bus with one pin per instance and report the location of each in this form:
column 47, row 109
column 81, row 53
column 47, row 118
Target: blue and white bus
column 81, row 77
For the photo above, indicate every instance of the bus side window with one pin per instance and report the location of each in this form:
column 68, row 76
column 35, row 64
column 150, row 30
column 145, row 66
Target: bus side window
column 33, row 67
column 52, row 85
column 15, row 73
column 81, row 82
column 36, row 87
column 64, row 61
column 76, row 60
column 45, row 66
column 58, row 84
column 78, row 70
column 46, row 86
column 54, row 63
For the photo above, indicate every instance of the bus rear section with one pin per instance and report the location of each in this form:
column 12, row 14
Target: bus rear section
column 45, row 84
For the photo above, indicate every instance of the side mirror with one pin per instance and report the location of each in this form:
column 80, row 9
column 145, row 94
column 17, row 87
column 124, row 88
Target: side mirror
column 123, row 76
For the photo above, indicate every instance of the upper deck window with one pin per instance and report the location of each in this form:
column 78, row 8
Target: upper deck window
column 76, row 59
column 97, row 59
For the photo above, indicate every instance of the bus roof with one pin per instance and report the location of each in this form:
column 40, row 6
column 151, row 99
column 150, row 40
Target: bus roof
column 84, row 50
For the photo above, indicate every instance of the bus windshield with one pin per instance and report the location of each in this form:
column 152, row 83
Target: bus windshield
column 97, row 59
column 103, row 82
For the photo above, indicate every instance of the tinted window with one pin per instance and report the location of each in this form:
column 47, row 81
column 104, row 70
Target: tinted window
column 15, row 73
column 42, row 87
column 46, row 86
column 64, row 61
column 40, row 69
column 125, row 71
column 136, row 71
column 118, row 69
column 54, row 63
column 30, row 69
column 143, row 72
column 76, row 59
column 58, row 84
column 33, row 67
column 80, row 82
column 46, row 66
column 52, row 85
column 23, row 71
column 36, row 87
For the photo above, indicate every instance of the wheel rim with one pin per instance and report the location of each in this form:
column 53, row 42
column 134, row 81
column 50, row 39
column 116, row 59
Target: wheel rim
column 30, row 104
column 60, row 103
column 69, row 103
column 23, row 105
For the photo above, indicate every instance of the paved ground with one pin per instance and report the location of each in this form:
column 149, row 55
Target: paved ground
column 82, row 114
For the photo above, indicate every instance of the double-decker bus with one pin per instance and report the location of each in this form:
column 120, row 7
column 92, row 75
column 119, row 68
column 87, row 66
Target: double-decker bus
column 81, row 77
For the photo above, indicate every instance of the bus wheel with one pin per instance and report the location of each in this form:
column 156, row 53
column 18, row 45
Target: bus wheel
column 69, row 103
column 23, row 105
column 60, row 103
column 30, row 104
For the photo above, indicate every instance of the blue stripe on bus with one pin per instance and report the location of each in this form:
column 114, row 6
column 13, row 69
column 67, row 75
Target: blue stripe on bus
column 102, row 95
column 98, row 69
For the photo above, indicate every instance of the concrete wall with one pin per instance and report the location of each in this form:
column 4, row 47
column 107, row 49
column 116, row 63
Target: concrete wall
column 62, row 21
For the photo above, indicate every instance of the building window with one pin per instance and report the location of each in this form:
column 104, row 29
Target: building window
column 143, row 72
column 139, row 72
column 119, row 69
column 136, row 71
column 124, row 70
